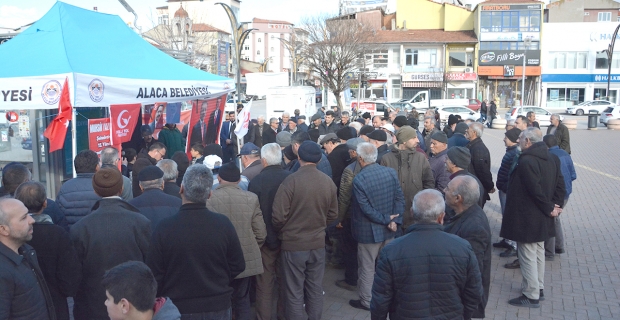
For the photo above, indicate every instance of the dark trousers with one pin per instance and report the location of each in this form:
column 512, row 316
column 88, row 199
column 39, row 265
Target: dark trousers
column 303, row 281
column 349, row 253
column 215, row 315
column 241, row 298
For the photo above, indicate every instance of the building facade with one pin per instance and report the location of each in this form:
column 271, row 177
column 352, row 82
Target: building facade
column 582, row 11
column 503, row 29
column 576, row 71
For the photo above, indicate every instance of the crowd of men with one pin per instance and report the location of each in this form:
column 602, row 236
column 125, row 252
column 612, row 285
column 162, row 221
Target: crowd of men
column 400, row 209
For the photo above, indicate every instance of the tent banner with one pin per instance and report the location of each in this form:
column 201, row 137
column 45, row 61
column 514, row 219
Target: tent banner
column 95, row 91
column 124, row 118
column 205, row 122
column 41, row 92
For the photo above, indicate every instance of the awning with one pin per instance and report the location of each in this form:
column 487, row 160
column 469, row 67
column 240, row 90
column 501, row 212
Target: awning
column 421, row 84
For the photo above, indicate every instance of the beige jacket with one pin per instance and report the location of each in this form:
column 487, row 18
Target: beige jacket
column 243, row 210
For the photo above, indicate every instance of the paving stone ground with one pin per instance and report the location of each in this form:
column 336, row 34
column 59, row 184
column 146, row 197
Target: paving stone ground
column 583, row 283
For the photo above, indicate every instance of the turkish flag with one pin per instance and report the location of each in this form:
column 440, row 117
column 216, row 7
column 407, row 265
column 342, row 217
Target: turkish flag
column 124, row 118
column 57, row 129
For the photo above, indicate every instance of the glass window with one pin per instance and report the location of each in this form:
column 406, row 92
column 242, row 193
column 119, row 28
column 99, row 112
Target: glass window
column 601, row 60
column 615, row 61
column 408, row 57
column 582, row 58
column 496, row 22
column 396, row 57
column 560, row 59
column 460, row 59
column 604, row 16
column 258, row 52
column 485, row 21
column 415, row 57
column 259, row 40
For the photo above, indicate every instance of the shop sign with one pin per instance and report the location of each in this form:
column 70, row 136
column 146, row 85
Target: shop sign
column 461, row 76
column 508, row 57
column 511, row 7
column 509, row 71
column 509, row 36
column 423, row 77
column 592, row 78
column 605, row 37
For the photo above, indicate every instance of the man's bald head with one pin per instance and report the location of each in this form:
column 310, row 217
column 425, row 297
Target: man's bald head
column 467, row 188
column 15, row 224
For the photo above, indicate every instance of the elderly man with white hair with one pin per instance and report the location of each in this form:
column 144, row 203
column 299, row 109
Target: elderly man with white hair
column 480, row 158
column 283, row 125
column 560, row 131
column 171, row 172
column 471, row 224
column 427, row 272
column 259, row 129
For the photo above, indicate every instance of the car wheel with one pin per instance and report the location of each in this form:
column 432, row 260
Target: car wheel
column 579, row 112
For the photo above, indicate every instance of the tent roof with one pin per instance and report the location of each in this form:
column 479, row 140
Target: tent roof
column 69, row 39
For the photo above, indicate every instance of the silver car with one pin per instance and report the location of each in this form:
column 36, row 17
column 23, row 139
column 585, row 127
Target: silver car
column 542, row 115
column 586, row 106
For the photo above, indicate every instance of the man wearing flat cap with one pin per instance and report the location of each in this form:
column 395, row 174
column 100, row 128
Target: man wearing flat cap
column 301, row 212
column 113, row 233
column 243, row 210
column 439, row 153
column 412, row 168
column 154, row 203
column 301, row 124
column 378, row 138
column 250, row 159
column 316, row 121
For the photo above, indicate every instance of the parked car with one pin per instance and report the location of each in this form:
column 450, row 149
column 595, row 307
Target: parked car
column 586, row 106
column 612, row 112
column 464, row 112
column 543, row 116
column 474, row 104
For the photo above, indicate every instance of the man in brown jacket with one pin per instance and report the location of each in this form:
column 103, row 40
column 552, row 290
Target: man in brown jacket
column 243, row 210
column 414, row 171
column 304, row 205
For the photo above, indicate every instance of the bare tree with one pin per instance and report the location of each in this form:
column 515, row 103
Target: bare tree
column 194, row 44
column 336, row 47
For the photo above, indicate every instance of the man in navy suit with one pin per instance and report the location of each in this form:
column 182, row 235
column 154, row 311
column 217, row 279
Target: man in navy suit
column 228, row 139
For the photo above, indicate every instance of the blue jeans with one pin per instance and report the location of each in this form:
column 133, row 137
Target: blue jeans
column 215, row 315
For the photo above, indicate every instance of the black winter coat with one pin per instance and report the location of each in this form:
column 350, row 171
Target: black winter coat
column 58, row 217
column 172, row 188
column 265, row 185
column 339, row 159
column 536, row 186
column 59, row 264
column 77, row 197
column 473, row 226
column 115, row 232
column 481, row 165
column 426, row 274
column 450, row 214
column 23, row 291
column 156, row 205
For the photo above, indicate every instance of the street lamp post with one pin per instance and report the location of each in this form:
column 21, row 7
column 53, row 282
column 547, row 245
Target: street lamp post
column 239, row 36
column 526, row 44
column 610, row 55
column 293, row 47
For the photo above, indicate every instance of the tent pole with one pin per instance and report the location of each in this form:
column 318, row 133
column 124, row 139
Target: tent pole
column 73, row 141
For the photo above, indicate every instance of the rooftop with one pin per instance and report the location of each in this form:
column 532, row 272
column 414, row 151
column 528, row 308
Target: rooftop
column 203, row 27
column 434, row 35
column 259, row 20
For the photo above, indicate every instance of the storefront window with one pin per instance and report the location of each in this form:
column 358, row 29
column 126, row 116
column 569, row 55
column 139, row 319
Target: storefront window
column 460, row 93
column 564, row 97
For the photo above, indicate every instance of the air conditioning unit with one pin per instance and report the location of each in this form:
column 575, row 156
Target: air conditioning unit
column 467, row 70
column 586, row 13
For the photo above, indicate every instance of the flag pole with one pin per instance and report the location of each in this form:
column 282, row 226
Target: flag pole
column 73, row 128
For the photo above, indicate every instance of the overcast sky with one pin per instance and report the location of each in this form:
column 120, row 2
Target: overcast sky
column 15, row 13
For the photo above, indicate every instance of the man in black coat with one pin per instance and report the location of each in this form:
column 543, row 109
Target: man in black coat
column 113, row 233
column 457, row 163
column 154, row 203
column 427, row 272
column 144, row 159
column 55, row 252
column 534, row 197
column 23, row 290
column 265, row 185
column 259, row 129
column 471, row 224
column 480, row 159
column 195, row 254
column 458, row 138
column 77, row 196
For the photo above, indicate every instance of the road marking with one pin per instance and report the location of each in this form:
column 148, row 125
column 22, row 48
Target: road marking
column 611, row 176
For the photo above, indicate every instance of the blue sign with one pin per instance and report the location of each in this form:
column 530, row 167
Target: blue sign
column 595, row 78
column 223, row 49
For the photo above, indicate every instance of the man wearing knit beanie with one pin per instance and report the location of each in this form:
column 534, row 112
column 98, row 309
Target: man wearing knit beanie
column 414, row 170
column 113, row 233
column 439, row 153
